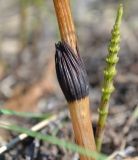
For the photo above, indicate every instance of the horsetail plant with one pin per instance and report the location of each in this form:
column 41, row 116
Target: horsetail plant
column 109, row 73
column 72, row 78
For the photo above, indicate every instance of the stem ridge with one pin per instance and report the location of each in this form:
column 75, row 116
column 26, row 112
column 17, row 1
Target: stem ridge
column 109, row 73
column 71, row 73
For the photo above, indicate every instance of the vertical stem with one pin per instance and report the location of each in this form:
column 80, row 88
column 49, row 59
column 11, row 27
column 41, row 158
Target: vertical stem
column 80, row 116
column 79, row 109
column 23, row 20
column 109, row 73
column 65, row 22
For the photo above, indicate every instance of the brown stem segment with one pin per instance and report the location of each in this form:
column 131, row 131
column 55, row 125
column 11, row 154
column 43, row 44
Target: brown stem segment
column 65, row 22
column 80, row 116
column 79, row 108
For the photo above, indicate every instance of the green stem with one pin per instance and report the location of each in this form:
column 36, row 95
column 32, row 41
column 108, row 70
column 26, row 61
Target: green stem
column 109, row 73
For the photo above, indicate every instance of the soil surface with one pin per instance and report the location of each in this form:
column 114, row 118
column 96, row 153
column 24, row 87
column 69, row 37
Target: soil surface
column 28, row 80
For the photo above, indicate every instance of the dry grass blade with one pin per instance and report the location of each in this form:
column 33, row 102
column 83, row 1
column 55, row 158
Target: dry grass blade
column 36, row 127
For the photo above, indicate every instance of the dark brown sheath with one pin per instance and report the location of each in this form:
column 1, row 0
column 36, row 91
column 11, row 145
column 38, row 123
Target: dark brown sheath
column 71, row 73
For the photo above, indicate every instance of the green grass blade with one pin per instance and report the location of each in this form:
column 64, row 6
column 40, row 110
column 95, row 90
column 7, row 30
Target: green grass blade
column 24, row 114
column 135, row 113
column 55, row 141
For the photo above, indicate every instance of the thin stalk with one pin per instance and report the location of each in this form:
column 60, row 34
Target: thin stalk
column 72, row 78
column 109, row 73
column 65, row 22
column 81, row 121
column 23, row 23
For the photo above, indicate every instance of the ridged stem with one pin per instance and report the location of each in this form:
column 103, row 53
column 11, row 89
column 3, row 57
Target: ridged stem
column 65, row 22
column 109, row 73
column 81, row 121
column 79, row 108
